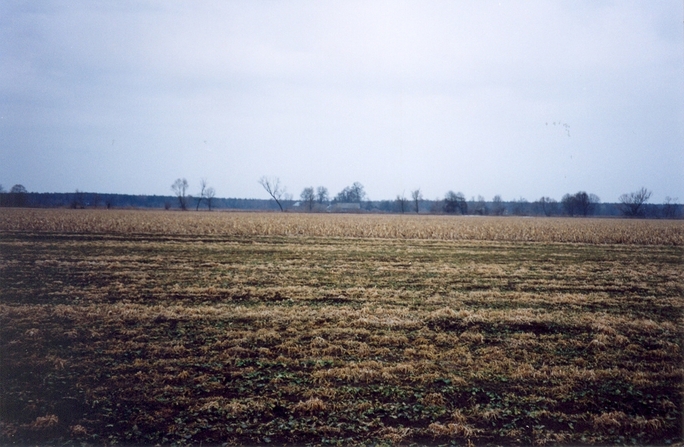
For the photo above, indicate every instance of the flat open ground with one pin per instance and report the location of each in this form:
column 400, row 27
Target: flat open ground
column 141, row 327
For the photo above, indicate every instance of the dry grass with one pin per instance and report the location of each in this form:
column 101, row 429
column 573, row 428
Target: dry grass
column 126, row 222
column 146, row 338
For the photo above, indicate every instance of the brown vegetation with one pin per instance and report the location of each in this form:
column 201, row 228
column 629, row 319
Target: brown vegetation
column 511, row 229
column 127, row 327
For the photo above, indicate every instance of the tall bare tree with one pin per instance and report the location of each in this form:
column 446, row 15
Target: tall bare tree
column 594, row 201
column 322, row 194
column 79, row 200
column 670, row 207
column 579, row 203
column 569, row 204
column 478, row 206
column 455, row 203
column 632, row 204
column 402, row 203
column 308, row 197
column 358, row 191
column 498, row 207
column 417, row 196
column 547, row 206
column 274, row 189
column 209, row 195
column 520, row 206
column 352, row 194
column 203, row 189
column 180, row 189
column 17, row 195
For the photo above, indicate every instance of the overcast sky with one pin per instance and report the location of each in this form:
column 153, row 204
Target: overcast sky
column 517, row 98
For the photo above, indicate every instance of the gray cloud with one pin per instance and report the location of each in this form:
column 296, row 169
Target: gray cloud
column 126, row 97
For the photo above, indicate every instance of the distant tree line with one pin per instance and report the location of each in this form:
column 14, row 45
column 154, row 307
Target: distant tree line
column 83, row 200
column 353, row 198
column 16, row 196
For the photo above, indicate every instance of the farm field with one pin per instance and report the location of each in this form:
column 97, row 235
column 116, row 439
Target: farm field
column 144, row 328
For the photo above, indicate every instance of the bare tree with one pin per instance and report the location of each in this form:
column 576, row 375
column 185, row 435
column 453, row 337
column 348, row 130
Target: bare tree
column 632, row 204
column 209, row 195
column 479, row 206
column 309, row 197
column 417, row 196
column 203, row 188
column 78, row 201
column 358, row 191
column 274, row 189
column 498, row 208
column 520, row 206
column 17, row 195
column 455, row 203
column 594, row 201
column 670, row 207
column 580, row 203
column 437, row 206
column 569, row 205
column 352, row 194
column 180, row 188
column 547, row 206
column 322, row 194
column 402, row 203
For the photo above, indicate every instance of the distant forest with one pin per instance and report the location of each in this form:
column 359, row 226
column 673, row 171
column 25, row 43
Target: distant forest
column 579, row 204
